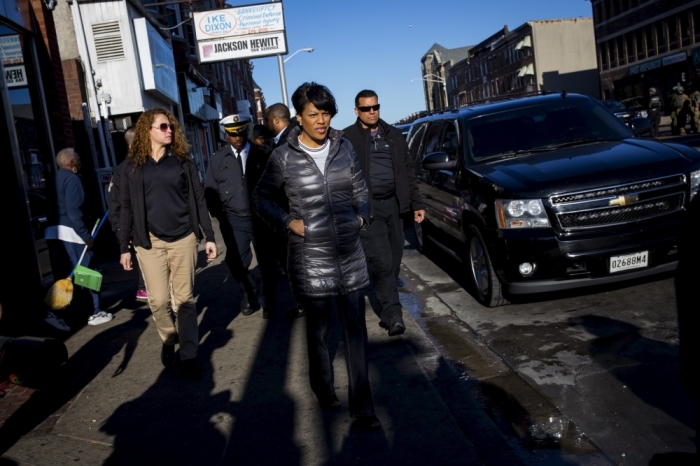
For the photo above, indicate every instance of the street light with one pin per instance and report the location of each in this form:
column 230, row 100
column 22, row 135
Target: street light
column 437, row 79
column 306, row 49
column 283, row 77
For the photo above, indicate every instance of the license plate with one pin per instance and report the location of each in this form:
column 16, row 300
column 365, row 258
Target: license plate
column 635, row 260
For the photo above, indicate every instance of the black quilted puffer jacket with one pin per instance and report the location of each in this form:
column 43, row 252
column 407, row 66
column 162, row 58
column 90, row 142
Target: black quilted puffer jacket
column 328, row 260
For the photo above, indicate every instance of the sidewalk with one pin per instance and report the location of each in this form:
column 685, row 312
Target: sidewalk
column 116, row 404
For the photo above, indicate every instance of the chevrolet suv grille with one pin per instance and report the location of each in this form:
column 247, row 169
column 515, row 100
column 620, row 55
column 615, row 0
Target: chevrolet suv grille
column 618, row 190
column 616, row 205
column 616, row 215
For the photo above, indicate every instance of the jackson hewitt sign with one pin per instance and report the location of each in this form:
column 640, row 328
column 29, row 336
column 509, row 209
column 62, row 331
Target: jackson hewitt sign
column 241, row 32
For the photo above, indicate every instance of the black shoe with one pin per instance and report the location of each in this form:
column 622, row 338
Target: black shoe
column 191, row 370
column 248, row 307
column 167, row 355
column 396, row 328
column 368, row 423
column 330, row 403
column 300, row 311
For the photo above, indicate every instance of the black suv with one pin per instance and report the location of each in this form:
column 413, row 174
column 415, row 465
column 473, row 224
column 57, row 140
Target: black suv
column 549, row 192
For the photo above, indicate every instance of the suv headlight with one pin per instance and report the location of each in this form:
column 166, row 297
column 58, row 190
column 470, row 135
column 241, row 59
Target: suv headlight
column 694, row 183
column 526, row 213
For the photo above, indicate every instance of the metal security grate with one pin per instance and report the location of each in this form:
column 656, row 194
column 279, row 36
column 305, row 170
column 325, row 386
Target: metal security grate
column 108, row 41
column 615, row 215
column 619, row 190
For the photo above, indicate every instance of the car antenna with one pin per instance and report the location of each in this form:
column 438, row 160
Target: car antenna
column 563, row 94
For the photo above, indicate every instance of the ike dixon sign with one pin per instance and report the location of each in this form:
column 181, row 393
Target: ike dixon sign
column 240, row 32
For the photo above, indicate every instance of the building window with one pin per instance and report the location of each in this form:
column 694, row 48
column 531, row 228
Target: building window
column 660, row 36
column 639, row 40
column 651, row 43
column 684, row 33
column 174, row 20
column 629, row 44
column 672, row 33
column 621, row 53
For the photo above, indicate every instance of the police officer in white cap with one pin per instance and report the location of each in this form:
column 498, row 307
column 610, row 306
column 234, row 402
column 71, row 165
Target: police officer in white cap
column 232, row 175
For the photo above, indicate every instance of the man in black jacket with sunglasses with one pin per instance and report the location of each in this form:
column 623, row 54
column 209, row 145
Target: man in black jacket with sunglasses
column 391, row 180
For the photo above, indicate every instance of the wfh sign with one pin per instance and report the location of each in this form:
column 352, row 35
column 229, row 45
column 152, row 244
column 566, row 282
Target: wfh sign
column 240, row 32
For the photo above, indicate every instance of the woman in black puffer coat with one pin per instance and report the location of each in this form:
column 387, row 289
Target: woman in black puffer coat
column 328, row 205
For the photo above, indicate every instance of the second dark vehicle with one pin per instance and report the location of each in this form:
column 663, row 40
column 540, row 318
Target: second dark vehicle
column 548, row 193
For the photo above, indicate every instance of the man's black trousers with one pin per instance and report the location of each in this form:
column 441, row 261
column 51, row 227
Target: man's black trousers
column 238, row 234
column 383, row 244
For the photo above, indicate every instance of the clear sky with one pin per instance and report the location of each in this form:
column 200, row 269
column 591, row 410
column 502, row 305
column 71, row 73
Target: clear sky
column 363, row 44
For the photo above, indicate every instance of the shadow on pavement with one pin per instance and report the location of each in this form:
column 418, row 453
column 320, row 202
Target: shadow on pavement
column 649, row 368
column 79, row 371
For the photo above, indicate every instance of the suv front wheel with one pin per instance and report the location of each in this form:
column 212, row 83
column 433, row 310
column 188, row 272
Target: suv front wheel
column 486, row 284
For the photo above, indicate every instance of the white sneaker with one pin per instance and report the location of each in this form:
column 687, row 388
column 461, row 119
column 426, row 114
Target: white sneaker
column 100, row 318
column 56, row 322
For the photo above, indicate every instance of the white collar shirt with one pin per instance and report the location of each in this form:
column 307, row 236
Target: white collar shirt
column 279, row 135
column 243, row 154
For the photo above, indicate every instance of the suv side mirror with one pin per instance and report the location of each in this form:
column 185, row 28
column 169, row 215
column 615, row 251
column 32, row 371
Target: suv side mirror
column 640, row 125
column 438, row 161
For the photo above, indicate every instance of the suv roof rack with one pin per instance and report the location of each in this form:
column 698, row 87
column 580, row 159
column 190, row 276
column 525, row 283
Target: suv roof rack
column 504, row 97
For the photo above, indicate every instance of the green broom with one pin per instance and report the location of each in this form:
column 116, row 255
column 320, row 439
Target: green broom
column 61, row 293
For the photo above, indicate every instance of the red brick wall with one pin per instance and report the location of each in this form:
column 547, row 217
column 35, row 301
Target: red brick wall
column 54, row 85
column 75, row 87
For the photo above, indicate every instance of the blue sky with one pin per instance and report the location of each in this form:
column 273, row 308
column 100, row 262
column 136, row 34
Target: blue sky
column 362, row 44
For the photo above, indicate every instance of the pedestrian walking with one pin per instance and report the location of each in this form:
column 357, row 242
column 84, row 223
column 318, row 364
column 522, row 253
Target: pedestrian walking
column 655, row 110
column 69, row 237
column 233, row 172
column 279, row 121
column 318, row 171
column 391, row 182
column 115, row 213
column 694, row 112
column 163, row 213
column 679, row 111
column 261, row 137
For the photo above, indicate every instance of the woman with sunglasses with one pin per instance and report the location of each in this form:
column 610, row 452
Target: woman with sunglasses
column 164, row 214
column 319, row 173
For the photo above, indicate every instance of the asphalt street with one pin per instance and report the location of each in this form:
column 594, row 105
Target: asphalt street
column 604, row 359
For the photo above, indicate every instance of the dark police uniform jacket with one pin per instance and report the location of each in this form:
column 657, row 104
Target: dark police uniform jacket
column 226, row 189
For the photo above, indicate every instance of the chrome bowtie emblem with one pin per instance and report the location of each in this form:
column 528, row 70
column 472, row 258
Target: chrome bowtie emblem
column 624, row 200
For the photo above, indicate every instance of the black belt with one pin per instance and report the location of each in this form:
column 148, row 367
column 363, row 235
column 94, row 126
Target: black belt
column 239, row 215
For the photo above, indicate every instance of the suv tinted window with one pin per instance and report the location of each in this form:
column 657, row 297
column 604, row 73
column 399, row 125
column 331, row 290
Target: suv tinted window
column 449, row 143
column 414, row 142
column 540, row 127
column 432, row 140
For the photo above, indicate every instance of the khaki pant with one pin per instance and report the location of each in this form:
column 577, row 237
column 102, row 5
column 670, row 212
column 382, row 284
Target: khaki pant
column 678, row 121
column 167, row 264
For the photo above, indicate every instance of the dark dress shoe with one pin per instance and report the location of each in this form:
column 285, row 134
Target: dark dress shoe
column 247, row 308
column 368, row 423
column 191, row 370
column 300, row 311
column 330, row 403
column 396, row 328
column 167, row 355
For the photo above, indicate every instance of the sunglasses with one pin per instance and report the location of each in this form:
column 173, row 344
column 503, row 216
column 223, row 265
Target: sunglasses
column 368, row 108
column 165, row 126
